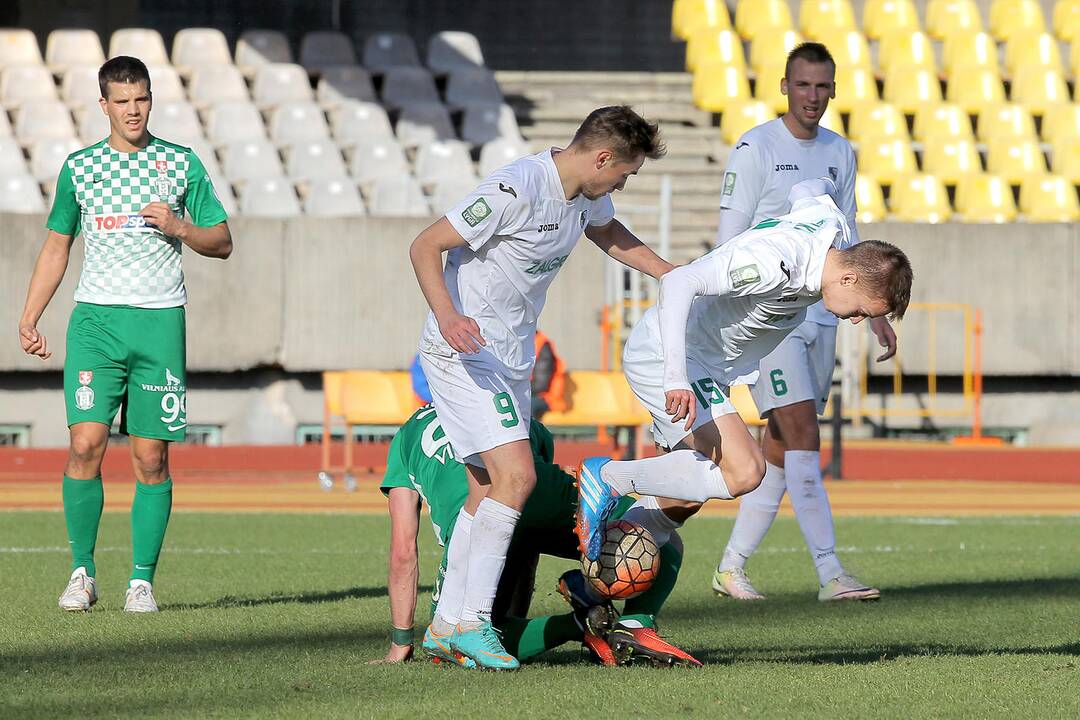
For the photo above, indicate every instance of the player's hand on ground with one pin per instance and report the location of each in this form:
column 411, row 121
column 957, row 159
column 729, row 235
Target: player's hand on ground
column 161, row 216
column 681, row 404
column 462, row 333
column 886, row 337
column 33, row 342
column 396, row 654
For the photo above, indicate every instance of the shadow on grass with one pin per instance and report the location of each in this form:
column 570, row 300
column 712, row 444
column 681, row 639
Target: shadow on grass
column 866, row 656
column 230, row 601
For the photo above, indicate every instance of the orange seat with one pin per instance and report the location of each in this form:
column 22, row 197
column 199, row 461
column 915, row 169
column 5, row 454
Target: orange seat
column 375, row 397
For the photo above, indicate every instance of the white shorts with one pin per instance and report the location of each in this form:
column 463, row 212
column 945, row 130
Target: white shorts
column 479, row 407
column 799, row 369
column 644, row 369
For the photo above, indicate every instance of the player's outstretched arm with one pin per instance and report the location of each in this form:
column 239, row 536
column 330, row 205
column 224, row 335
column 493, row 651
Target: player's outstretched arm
column 886, row 336
column 403, row 572
column 460, row 332
column 49, row 270
column 214, row 241
column 622, row 245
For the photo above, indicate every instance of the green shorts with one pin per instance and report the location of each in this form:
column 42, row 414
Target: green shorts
column 129, row 359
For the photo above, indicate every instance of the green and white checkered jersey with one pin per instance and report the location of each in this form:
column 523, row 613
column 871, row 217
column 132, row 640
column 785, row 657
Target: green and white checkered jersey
column 100, row 192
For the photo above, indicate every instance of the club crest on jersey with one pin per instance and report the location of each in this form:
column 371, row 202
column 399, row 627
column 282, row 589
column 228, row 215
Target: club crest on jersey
column 163, row 187
column 584, row 216
column 161, row 165
column 84, row 398
column 834, row 173
column 86, row 377
column 729, row 183
column 477, row 212
column 745, row 275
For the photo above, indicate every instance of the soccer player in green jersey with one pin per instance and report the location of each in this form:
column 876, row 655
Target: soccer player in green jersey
column 422, row 466
column 128, row 196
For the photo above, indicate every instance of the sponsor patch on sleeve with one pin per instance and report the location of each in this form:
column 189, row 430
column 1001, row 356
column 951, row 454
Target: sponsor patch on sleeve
column 745, row 275
column 476, row 213
column 729, row 183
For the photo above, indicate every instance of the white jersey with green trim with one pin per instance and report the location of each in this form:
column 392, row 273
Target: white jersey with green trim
column 519, row 229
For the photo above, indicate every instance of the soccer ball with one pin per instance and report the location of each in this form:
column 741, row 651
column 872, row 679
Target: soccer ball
column 629, row 561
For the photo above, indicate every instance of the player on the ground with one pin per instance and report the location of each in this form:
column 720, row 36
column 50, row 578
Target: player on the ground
column 127, row 195
column 422, row 466
column 505, row 243
column 716, row 318
column 794, row 380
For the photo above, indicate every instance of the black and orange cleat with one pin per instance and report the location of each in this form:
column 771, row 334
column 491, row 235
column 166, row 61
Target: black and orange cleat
column 632, row 646
column 595, row 622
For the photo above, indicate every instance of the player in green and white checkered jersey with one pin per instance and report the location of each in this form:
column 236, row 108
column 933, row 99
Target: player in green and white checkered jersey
column 128, row 196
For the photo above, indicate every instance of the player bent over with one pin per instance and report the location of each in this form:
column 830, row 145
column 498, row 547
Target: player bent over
column 505, row 242
column 422, row 466
column 716, row 318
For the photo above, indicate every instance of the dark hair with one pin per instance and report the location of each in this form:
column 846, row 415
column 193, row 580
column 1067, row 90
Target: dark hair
column 621, row 130
column 886, row 271
column 122, row 69
column 810, row 52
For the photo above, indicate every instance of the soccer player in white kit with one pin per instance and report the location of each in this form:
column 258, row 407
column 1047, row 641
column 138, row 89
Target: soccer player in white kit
column 505, row 243
column 794, row 380
column 716, row 319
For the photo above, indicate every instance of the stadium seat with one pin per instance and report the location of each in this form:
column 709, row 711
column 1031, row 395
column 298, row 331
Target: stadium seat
column 909, row 90
column 399, row 196
column 951, row 159
column 408, row 86
column 970, row 51
column 854, row 86
column 1015, row 160
column 942, row 120
column 164, row 83
column 143, row 43
column 830, row 120
column 881, row 17
column 712, row 46
column 482, row 123
column 919, row 198
column 320, row 49
column 741, row 116
column 12, row 160
column 1066, row 19
column 984, row 199
column 40, row 119
column 212, row 84
column 753, row 17
column 65, row 48
column 355, row 121
column 771, row 48
column 466, row 86
column 821, row 16
column 5, row 126
column 1060, row 122
column 377, row 157
column 1049, row 198
column 973, row 88
column 1065, row 157
column 47, row 157
column 869, row 199
column 886, row 160
column 26, row 83
column 333, row 197
column 18, row 47
column 904, row 50
column 93, row 125
column 1007, row 120
column 339, row 83
column 689, row 16
column 767, row 87
column 376, row 397
column 269, row 197
column 452, row 50
column 256, row 48
column 448, row 192
column 195, row 47
column 174, row 121
column 423, row 122
column 444, row 159
column 20, row 194
column 878, row 121
column 946, row 18
column 849, row 48
column 1037, row 88
column 230, row 122
column 1015, row 16
column 717, row 87
column 251, row 159
column 599, row 398
column 297, row 121
column 500, row 152
column 280, row 82
column 1035, row 49
column 383, row 51
column 315, row 160
column 79, row 86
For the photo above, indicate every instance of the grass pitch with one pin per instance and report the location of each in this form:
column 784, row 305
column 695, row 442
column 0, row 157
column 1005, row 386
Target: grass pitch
column 269, row 616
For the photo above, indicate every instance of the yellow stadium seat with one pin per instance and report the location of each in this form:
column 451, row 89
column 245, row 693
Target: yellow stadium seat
column 942, row 120
column 709, row 46
column 854, row 86
column 910, row 90
column 886, row 160
column 1050, row 198
column 1066, row 19
column 1005, row 121
column 1032, row 49
column 919, row 198
column 881, row 17
column 951, row 159
column 1065, row 155
column 772, row 48
column 944, row 18
column 831, row 120
column 849, row 48
column 767, row 87
column 1012, row 16
column 741, row 116
column 973, row 88
column 877, row 120
column 1060, row 122
column 1015, row 160
column 753, row 17
column 869, row 199
column 689, row 16
column 969, row 50
column 1037, row 88
column 715, row 87
column 744, row 404
column 984, row 199
column 601, row 399
column 821, row 16
column 905, row 50
column 373, row 397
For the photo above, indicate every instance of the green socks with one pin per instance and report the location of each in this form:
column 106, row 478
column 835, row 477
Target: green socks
column 149, row 518
column 646, row 606
column 83, row 500
column 525, row 639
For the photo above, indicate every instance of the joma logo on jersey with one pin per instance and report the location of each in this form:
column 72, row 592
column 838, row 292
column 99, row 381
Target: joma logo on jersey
column 786, row 166
column 548, row 227
column 119, row 222
column 539, row 267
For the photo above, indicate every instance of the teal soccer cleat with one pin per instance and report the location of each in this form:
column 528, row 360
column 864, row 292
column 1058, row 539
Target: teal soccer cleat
column 439, row 648
column 484, row 647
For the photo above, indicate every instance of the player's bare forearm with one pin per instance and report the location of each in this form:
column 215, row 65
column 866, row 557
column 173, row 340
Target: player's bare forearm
column 49, row 270
column 622, row 245
column 214, row 241
column 886, row 336
column 460, row 332
column 403, row 570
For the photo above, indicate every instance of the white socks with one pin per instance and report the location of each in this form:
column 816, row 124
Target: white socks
column 452, row 592
column 757, row 509
column 647, row 513
column 681, row 475
column 807, row 492
column 492, row 530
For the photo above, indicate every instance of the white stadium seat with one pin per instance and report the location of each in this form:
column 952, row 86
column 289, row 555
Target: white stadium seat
column 408, row 86
column 355, row 121
column 165, row 83
column 19, row 47
column 399, row 196
column 251, row 159
column 20, row 194
column 79, row 86
column 444, row 159
column 339, row 83
column 212, row 84
column 482, row 123
column 501, row 152
column 195, row 47
column 383, row 51
column 334, row 197
column 5, row 126
column 232, row 121
column 315, row 159
column 47, row 157
column 280, row 82
column 322, row 48
column 143, row 43
column 65, row 48
column 472, row 85
column 175, row 121
column 451, row 50
column 269, row 197
column 296, row 121
column 375, row 158
column 93, row 124
column 256, row 48
column 43, row 119
column 12, row 160
column 23, row 83
column 448, row 192
column 422, row 123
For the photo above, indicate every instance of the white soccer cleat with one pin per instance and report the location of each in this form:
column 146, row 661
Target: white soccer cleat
column 847, row 587
column 734, row 584
column 140, row 598
column 80, row 593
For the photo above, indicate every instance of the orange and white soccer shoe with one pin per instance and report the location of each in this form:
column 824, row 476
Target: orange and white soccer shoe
column 644, row 645
column 80, row 593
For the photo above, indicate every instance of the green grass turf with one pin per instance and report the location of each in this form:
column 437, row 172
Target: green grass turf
column 277, row 615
